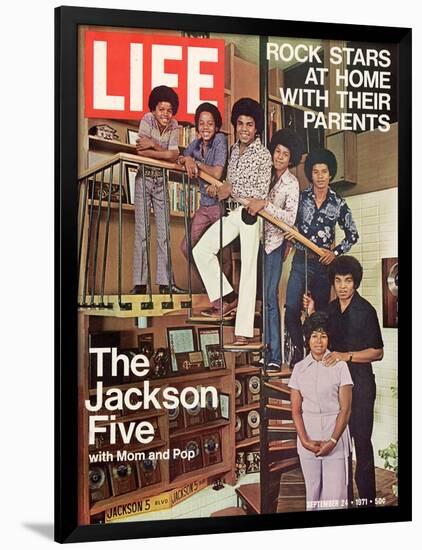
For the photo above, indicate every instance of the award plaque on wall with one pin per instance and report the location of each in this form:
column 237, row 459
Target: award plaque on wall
column 188, row 147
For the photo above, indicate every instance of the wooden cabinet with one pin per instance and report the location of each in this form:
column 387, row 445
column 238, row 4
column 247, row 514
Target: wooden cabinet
column 145, row 484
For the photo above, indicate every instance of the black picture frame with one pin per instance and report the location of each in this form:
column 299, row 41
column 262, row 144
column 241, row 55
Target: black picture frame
column 67, row 20
column 190, row 333
column 214, row 332
column 211, row 352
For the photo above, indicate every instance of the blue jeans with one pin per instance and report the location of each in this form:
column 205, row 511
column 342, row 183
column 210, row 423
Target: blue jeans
column 273, row 268
column 319, row 286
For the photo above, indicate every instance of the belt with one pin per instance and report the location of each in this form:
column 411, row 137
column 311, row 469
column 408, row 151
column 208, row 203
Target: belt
column 311, row 255
column 231, row 204
column 320, row 415
column 152, row 172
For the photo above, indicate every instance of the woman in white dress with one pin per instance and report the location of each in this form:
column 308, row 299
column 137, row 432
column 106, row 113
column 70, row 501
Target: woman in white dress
column 321, row 400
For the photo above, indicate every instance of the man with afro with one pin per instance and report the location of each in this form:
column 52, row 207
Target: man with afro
column 158, row 139
column 248, row 177
column 355, row 337
column 286, row 150
column 320, row 210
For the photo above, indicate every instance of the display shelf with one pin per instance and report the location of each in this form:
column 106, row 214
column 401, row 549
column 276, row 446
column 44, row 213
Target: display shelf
column 248, row 442
column 247, row 369
column 248, row 407
column 97, row 143
column 204, row 427
column 199, row 475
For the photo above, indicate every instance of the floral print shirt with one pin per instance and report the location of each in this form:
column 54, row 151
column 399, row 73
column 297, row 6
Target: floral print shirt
column 283, row 200
column 250, row 173
column 318, row 224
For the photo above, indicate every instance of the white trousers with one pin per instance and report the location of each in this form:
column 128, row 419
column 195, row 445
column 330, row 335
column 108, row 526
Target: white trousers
column 325, row 481
column 205, row 255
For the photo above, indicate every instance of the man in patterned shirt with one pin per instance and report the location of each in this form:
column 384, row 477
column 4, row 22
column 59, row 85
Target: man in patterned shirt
column 286, row 149
column 248, row 177
column 320, row 209
column 158, row 139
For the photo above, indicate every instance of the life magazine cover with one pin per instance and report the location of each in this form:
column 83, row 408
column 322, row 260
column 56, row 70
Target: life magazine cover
column 238, row 274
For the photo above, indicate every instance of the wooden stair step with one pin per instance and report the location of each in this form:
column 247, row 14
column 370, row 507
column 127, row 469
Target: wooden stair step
column 292, row 488
column 274, row 407
column 292, row 492
column 291, row 504
column 281, row 433
column 285, row 372
column 284, row 465
column 278, row 386
column 253, row 346
column 230, row 511
column 213, row 321
column 282, row 446
column 278, row 412
column 250, row 494
column 283, row 428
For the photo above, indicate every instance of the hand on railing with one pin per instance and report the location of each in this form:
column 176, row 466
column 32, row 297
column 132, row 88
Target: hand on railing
column 143, row 143
column 224, row 191
column 191, row 167
column 289, row 236
column 212, row 191
column 255, row 205
column 308, row 304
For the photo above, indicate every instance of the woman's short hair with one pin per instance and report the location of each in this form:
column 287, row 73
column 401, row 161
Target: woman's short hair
column 163, row 93
column 291, row 140
column 346, row 265
column 248, row 107
column 321, row 156
column 208, row 108
column 316, row 322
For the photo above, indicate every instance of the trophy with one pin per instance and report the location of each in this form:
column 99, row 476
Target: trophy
column 239, row 428
column 98, row 483
column 176, row 419
column 149, row 472
column 212, row 449
column 211, row 413
column 193, row 417
column 238, row 391
column 194, row 461
column 253, row 386
column 252, row 426
column 123, row 480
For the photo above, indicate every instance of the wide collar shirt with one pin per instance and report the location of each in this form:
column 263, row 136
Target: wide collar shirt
column 318, row 224
column 250, row 173
column 215, row 155
column 282, row 204
column 167, row 139
column 356, row 328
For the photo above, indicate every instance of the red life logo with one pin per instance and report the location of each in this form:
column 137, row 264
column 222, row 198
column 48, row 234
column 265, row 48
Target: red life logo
column 121, row 69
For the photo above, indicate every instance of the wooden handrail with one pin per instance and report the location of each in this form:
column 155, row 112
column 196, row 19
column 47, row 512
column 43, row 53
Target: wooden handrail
column 275, row 221
column 137, row 159
column 128, row 157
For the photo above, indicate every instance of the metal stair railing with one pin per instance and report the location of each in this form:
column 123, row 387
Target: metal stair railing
column 95, row 200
